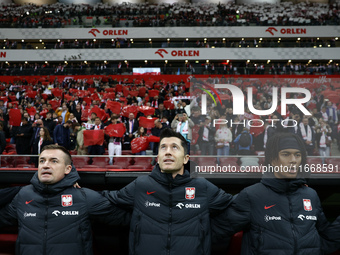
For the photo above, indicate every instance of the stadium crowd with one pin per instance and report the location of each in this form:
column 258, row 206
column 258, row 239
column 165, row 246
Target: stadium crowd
column 178, row 14
column 59, row 111
column 172, row 67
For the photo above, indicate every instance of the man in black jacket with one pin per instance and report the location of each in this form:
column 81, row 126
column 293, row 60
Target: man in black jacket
column 53, row 216
column 281, row 214
column 171, row 211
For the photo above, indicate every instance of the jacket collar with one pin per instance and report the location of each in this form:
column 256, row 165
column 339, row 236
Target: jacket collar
column 68, row 181
column 282, row 185
column 166, row 178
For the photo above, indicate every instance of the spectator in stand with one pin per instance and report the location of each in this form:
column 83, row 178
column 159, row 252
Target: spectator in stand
column 131, row 127
column 244, row 142
column 61, row 134
column 63, row 111
column 308, row 135
column 80, row 148
column 37, row 125
column 73, row 118
column 39, row 142
column 92, row 118
column 206, row 137
column 114, row 143
column 223, row 138
column 161, row 111
column 2, row 138
column 23, row 137
column 49, row 123
column 77, row 112
column 323, row 133
column 140, row 132
column 97, row 149
column 156, row 131
column 183, row 125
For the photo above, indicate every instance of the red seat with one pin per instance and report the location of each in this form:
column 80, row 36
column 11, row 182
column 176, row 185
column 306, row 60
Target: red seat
column 233, row 161
column 79, row 162
column 20, row 160
column 142, row 160
column 100, row 162
column 25, row 166
column 314, row 161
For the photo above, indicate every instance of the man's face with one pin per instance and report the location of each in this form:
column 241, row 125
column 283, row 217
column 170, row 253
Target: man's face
column 290, row 160
column 305, row 121
column 97, row 122
column 171, row 156
column 52, row 167
column 131, row 116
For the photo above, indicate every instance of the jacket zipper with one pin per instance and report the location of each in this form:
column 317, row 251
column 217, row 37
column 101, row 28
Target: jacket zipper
column 291, row 219
column 168, row 246
column 45, row 228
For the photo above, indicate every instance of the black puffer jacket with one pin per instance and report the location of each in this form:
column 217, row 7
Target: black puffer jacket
column 279, row 217
column 55, row 219
column 170, row 215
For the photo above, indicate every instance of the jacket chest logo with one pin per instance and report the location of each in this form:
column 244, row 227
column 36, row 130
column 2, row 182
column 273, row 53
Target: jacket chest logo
column 189, row 193
column 307, row 204
column 66, row 200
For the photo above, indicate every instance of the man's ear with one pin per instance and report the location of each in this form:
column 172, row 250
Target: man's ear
column 186, row 159
column 68, row 169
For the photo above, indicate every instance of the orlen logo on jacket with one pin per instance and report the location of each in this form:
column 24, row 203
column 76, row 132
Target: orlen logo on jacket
column 95, row 31
column 290, row 31
column 178, row 53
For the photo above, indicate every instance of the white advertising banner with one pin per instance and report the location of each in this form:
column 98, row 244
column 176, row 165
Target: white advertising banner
column 171, row 54
column 170, row 32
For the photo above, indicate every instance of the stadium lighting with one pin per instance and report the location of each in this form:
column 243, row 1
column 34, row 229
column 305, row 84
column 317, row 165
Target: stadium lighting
column 40, row 40
column 168, row 39
column 187, row 39
column 166, row 61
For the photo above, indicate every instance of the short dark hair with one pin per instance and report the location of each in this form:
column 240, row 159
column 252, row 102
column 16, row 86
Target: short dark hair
column 167, row 132
column 68, row 158
column 273, row 147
